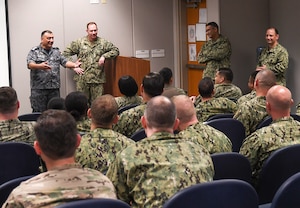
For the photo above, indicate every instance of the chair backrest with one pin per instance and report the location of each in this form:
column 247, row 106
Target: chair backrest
column 29, row 116
column 231, row 165
column 222, row 115
column 127, row 107
column 268, row 120
column 280, row 165
column 7, row 187
column 17, row 159
column 221, row 193
column 138, row 135
column 288, row 193
column 295, row 116
column 232, row 128
column 101, row 203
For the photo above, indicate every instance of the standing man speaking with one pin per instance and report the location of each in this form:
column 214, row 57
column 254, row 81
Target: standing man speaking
column 92, row 51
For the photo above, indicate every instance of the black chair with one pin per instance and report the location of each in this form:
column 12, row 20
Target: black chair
column 232, row 128
column 295, row 116
column 226, row 193
column 268, row 120
column 94, row 203
column 7, row 187
column 231, row 165
column 138, row 135
column 127, row 107
column 222, row 115
column 281, row 164
column 17, row 159
column 29, row 116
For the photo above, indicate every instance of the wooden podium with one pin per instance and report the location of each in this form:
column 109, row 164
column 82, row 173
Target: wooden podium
column 120, row 66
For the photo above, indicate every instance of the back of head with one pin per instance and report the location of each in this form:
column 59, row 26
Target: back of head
column 8, row 100
column 226, row 73
column 184, row 107
column 128, row 86
column 77, row 104
column 206, row 87
column 213, row 24
column 153, row 84
column 265, row 79
column 103, row 110
column 56, row 134
column 279, row 98
column 160, row 113
column 167, row 74
column 57, row 103
column 252, row 79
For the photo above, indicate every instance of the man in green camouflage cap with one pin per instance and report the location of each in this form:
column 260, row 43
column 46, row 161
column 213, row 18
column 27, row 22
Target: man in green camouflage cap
column 149, row 172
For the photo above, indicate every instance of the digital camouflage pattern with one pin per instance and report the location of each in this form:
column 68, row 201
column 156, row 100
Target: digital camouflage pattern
column 246, row 97
column 260, row 144
column 298, row 109
column 251, row 113
column 17, row 131
column 277, row 60
column 173, row 91
column 84, row 126
column 98, row 148
column 212, row 139
column 123, row 101
column 228, row 90
column 130, row 120
column 150, row 171
column 213, row 106
column 68, row 183
column 215, row 54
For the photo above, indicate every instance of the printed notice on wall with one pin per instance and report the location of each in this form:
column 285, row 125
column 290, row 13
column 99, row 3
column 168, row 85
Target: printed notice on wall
column 202, row 15
column 192, row 52
column 201, row 32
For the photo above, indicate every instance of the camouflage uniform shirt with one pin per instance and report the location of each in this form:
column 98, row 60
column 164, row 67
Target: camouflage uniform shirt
column 46, row 79
column 67, row 183
column 230, row 91
column 214, row 106
column 123, row 101
column 212, row 139
column 84, row 125
column 17, row 131
column 130, row 120
column 246, row 97
column 260, row 144
column 215, row 54
column 277, row 60
column 98, row 148
column 90, row 53
column 150, row 171
column 251, row 113
column 172, row 91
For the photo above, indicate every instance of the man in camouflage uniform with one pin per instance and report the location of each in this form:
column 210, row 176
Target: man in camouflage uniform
column 216, row 52
column 65, row 180
column 99, row 147
column 251, row 113
column 44, row 63
column 210, row 105
column 283, row 131
column 92, row 51
column 11, row 128
column 148, row 173
column 224, row 86
column 130, row 120
column 274, row 57
column 212, row 139
column 252, row 93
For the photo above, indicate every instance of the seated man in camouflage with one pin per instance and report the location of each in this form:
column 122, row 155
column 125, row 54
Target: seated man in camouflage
column 99, row 147
column 209, row 104
column 65, row 181
column 212, row 139
column 283, row 131
column 148, row 173
column 252, row 92
column 224, row 86
column 11, row 128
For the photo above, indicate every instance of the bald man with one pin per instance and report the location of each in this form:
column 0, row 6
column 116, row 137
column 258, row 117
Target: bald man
column 213, row 140
column 283, row 131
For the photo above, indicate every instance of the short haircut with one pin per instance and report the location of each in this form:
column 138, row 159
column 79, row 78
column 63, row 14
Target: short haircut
column 153, row 84
column 167, row 74
column 90, row 23
column 77, row 104
column 160, row 113
column 213, row 24
column 226, row 73
column 56, row 134
column 57, row 103
column 8, row 100
column 206, row 87
column 46, row 31
column 275, row 29
column 266, row 78
column 104, row 109
column 128, row 86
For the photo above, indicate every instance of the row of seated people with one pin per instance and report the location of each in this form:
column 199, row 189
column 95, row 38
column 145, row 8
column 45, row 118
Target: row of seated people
column 131, row 169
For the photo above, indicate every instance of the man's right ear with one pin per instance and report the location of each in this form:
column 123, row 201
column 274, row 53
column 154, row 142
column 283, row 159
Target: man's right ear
column 89, row 114
column 37, row 148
